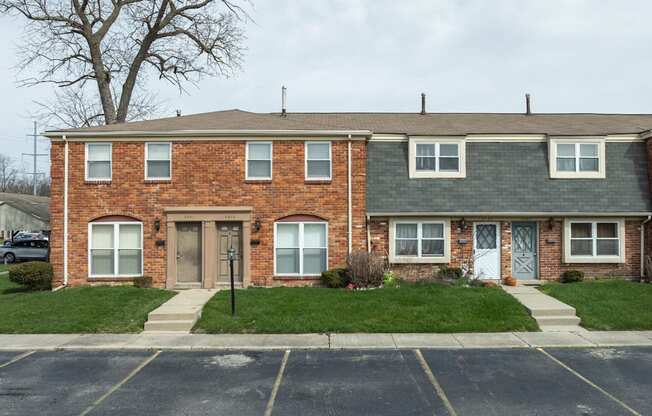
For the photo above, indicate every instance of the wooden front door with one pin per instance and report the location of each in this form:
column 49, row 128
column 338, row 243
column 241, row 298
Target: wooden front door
column 524, row 250
column 189, row 252
column 229, row 234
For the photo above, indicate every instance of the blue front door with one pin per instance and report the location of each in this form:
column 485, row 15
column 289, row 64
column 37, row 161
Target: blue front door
column 524, row 250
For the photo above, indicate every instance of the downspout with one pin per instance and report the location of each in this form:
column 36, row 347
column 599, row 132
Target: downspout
column 65, row 212
column 649, row 217
column 350, row 208
column 368, row 234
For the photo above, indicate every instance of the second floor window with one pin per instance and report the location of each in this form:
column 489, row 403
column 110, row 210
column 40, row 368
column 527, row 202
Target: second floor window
column 259, row 160
column 438, row 157
column 577, row 157
column 98, row 161
column 318, row 161
column 158, row 161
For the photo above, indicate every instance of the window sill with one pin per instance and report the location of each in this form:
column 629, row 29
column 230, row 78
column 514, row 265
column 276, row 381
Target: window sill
column 318, row 181
column 258, row 181
column 156, row 181
column 308, row 277
column 98, row 182
column 593, row 260
column 110, row 278
column 419, row 260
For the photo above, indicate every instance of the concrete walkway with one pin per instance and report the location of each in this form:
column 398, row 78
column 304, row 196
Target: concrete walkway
column 151, row 341
column 551, row 314
column 180, row 313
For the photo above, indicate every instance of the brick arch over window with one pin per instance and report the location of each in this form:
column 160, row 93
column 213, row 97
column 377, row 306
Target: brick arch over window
column 301, row 218
column 115, row 218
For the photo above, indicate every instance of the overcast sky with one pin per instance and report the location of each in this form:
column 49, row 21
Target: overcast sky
column 379, row 55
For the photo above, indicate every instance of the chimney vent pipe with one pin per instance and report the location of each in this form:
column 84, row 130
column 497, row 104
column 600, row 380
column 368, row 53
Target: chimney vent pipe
column 528, row 108
column 283, row 101
column 423, row 103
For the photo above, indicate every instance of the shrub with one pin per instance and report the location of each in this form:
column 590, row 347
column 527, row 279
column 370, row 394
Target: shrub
column 143, row 282
column 449, row 273
column 389, row 280
column 335, row 278
column 367, row 269
column 572, row 276
column 36, row 275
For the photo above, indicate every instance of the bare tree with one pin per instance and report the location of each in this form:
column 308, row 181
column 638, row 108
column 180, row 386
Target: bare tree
column 8, row 173
column 116, row 44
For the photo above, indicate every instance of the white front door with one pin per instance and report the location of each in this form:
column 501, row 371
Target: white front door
column 486, row 250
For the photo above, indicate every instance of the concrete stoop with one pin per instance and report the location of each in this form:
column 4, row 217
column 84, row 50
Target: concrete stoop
column 551, row 314
column 179, row 314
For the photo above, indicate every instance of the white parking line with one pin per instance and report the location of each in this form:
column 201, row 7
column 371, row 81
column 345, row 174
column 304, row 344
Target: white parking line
column 120, row 383
column 435, row 383
column 17, row 358
column 590, row 383
column 277, row 384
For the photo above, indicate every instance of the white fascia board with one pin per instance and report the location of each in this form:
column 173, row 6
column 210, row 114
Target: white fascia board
column 203, row 134
column 508, row 214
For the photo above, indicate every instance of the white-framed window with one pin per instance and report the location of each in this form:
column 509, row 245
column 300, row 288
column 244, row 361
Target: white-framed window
column 300, row 248
column 573, row 158
column 594, row 241
column 419, row 240
column 437, row 157
column 115, row 249
column 98, row 161
column 318, row 161
column 158, row 161
column 259, row 160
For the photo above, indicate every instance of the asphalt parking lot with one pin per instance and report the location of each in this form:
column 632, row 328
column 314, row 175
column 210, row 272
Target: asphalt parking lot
column 579, row 381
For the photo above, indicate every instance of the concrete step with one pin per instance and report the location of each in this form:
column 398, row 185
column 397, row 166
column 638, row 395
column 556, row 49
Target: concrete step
column 550, row 312
column 557, row 320
column 169, row 326
column 532, row 282
column 562, row 328
column 172, row 315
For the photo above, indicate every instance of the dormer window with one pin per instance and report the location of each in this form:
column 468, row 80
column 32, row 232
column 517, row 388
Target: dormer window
column 577, row 158
column 437, row 158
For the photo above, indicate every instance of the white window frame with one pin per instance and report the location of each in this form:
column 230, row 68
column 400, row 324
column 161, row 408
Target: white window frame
column 437, row 141
column 271, row 162
column 330, row 160
column 594, row 258
column 393, row 258
column 300, row 247
column 86, row 178
column 116, row 249
column 552, row 152
column 169, row 159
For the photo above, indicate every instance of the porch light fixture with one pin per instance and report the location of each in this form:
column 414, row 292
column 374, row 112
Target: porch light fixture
column 157, row 224
column 462, row 225
column 551, row 223
column 256, row 225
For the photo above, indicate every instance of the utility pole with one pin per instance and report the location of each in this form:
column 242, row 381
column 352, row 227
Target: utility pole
column 35, row 155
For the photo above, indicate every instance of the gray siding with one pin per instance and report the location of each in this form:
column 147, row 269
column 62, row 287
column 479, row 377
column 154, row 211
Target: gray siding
column 507, row 177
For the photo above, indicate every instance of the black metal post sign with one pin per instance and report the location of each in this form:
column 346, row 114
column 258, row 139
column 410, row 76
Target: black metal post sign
column 231, row 253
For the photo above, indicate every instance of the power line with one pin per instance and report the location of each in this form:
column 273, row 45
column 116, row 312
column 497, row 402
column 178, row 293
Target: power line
column 35, row 155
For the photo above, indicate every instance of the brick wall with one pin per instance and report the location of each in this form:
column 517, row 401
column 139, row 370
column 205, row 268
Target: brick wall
column 204, row 173
column 550, row 258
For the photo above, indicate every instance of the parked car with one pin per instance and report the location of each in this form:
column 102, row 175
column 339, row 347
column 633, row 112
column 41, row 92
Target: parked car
column 24, row 250
column 26, row 235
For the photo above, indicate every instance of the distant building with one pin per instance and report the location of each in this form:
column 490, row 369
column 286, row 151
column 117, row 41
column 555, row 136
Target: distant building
column 19, row 212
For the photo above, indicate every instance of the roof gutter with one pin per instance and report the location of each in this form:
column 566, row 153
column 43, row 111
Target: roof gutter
column 345, row 134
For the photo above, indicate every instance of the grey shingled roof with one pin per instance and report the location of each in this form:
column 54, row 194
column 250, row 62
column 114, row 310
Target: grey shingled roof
column 507, row 177
column 36, row 206
column 403, row 123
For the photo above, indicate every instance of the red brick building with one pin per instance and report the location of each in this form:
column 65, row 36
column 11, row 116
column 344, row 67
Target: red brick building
column 293, row 194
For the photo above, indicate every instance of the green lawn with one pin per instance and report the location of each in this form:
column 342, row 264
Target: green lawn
column 411, row 308
column 4, row 267
column 80, row 309
column 609, row 305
